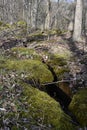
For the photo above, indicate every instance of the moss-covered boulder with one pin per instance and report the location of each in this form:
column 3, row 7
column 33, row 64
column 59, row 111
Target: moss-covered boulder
column 43, row 110
column 57, row 59
column 24, row 53
column 79, row 106
column 42, row 35
column 28, row 107
column 32, row 69
column 59, row 64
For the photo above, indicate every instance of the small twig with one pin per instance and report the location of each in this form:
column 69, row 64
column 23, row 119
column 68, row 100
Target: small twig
column 61, row 81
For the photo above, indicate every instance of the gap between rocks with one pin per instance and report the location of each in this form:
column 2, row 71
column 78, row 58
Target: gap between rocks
column 60, row 96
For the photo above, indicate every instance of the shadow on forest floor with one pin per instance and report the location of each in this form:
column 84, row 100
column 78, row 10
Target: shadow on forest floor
column 79, row 52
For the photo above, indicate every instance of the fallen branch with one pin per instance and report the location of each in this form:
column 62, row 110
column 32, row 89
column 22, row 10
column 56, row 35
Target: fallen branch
column 61, row 81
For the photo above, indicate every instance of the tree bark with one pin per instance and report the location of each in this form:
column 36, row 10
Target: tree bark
column 48, row 18
column 78, row 21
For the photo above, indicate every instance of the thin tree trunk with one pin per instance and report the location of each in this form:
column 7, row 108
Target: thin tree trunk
column 78, row 21
column 48, row 19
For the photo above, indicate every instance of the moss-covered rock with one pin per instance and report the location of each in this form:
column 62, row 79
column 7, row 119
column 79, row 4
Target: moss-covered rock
column 58, row 60
column 33, row 69
column 34, row 108
column 24, row 53
column 17, row 30
column 59, row 65
column 44, row 110
column 36, row 36
column 79, row 106
column 39, row 35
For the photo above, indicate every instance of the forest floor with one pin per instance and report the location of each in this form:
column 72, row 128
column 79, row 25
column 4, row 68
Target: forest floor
column 72, row 56
column 55, row 44
column 42, row 41
column 64, row 45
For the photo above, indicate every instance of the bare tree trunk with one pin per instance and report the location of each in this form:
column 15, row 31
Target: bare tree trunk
column 86, row 21
column 78, row 21
column 34, row 13
column 11, row 12
column 48, row 19
column 23, row 10
column 56, row 16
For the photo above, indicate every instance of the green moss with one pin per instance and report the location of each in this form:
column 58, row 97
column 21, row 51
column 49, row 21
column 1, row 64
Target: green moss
column 1, row 23
column 2, row 62
column 21, row 23
column 57, row 59
column 45, row 33
column 40, row 109
column 56, row 31
column 6, row 26
column 24, row 53
column 59, row 65
column 36, row 36
column 44, row 110
column 32, row 68
column 15, row 128
column 63, row 54
column 32, row 104
column 61, row 71
column 79, row 106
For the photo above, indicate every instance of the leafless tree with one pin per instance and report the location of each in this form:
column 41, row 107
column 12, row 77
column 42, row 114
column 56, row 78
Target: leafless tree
column 78, row 21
